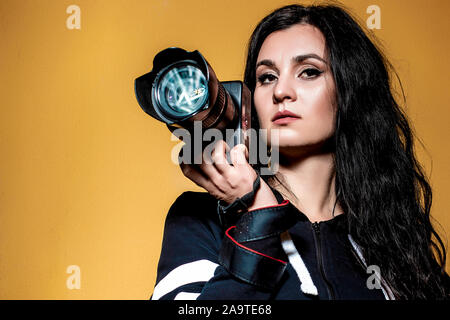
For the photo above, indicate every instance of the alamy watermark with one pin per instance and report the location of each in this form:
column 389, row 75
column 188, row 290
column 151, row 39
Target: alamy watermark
column 74, row 20
column 74, row 280
column 202, row 142
column 374, row 20
column 374, row 280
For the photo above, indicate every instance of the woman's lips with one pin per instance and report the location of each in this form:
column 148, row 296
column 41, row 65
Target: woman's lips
column 284, row 117
column 285, row 120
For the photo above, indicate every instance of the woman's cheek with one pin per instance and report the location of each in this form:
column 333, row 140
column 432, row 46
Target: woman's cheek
column 318, row 106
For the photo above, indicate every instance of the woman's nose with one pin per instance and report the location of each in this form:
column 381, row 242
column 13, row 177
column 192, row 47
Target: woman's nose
column 283, row 90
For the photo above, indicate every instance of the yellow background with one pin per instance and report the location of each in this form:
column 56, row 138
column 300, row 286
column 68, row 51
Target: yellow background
column 85, row 175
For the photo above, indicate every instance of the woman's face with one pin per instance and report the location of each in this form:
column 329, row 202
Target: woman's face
column 295, row 90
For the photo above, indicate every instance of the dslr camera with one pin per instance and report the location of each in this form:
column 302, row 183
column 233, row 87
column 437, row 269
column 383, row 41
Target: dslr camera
column 183, row 91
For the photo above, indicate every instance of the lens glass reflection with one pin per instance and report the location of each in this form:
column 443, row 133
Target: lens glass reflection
column 182, row 91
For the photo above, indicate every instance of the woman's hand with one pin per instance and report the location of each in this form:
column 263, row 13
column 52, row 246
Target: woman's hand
column 227, row 182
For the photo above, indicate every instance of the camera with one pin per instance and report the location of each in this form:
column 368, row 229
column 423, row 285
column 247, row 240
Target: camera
column 183, row 91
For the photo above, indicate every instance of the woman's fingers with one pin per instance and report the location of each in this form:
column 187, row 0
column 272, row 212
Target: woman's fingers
column 222, row 180
column 200, row 179
column 219, row 157
column 203, row 164
column 247, row 175
column 204, row 172
column 214, row 176
column 216, row 167
column 239, row 156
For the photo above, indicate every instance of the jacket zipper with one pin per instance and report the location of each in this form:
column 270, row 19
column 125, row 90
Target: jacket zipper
column 316, row 228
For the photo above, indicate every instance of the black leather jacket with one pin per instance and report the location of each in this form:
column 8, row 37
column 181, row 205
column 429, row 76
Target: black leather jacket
column 268, row 253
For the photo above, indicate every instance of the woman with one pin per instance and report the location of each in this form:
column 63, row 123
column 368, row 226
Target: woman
column 347, row 216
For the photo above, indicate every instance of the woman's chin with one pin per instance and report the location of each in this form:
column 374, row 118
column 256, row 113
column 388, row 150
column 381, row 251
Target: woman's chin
column 299, row 149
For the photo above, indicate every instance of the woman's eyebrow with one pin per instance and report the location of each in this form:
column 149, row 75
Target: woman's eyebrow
column 297, row 59
column 267, row 62
column 302, row 57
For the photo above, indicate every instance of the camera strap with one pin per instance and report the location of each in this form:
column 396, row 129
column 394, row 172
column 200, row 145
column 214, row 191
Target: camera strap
column 228, row 213
column 251, row 250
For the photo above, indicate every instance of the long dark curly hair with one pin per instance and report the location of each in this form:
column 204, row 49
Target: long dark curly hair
column 379, row 182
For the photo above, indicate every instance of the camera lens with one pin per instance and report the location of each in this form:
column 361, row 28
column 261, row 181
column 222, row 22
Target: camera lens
column 182, row 90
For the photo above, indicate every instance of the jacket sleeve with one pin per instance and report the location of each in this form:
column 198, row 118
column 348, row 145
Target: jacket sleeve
column 200, row 259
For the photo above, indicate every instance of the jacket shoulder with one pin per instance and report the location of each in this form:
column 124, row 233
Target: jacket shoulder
column 194, row 212
column 193, row 204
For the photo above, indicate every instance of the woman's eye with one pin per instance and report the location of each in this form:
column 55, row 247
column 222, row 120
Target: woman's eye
column 310, row 73
column 266, row 78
